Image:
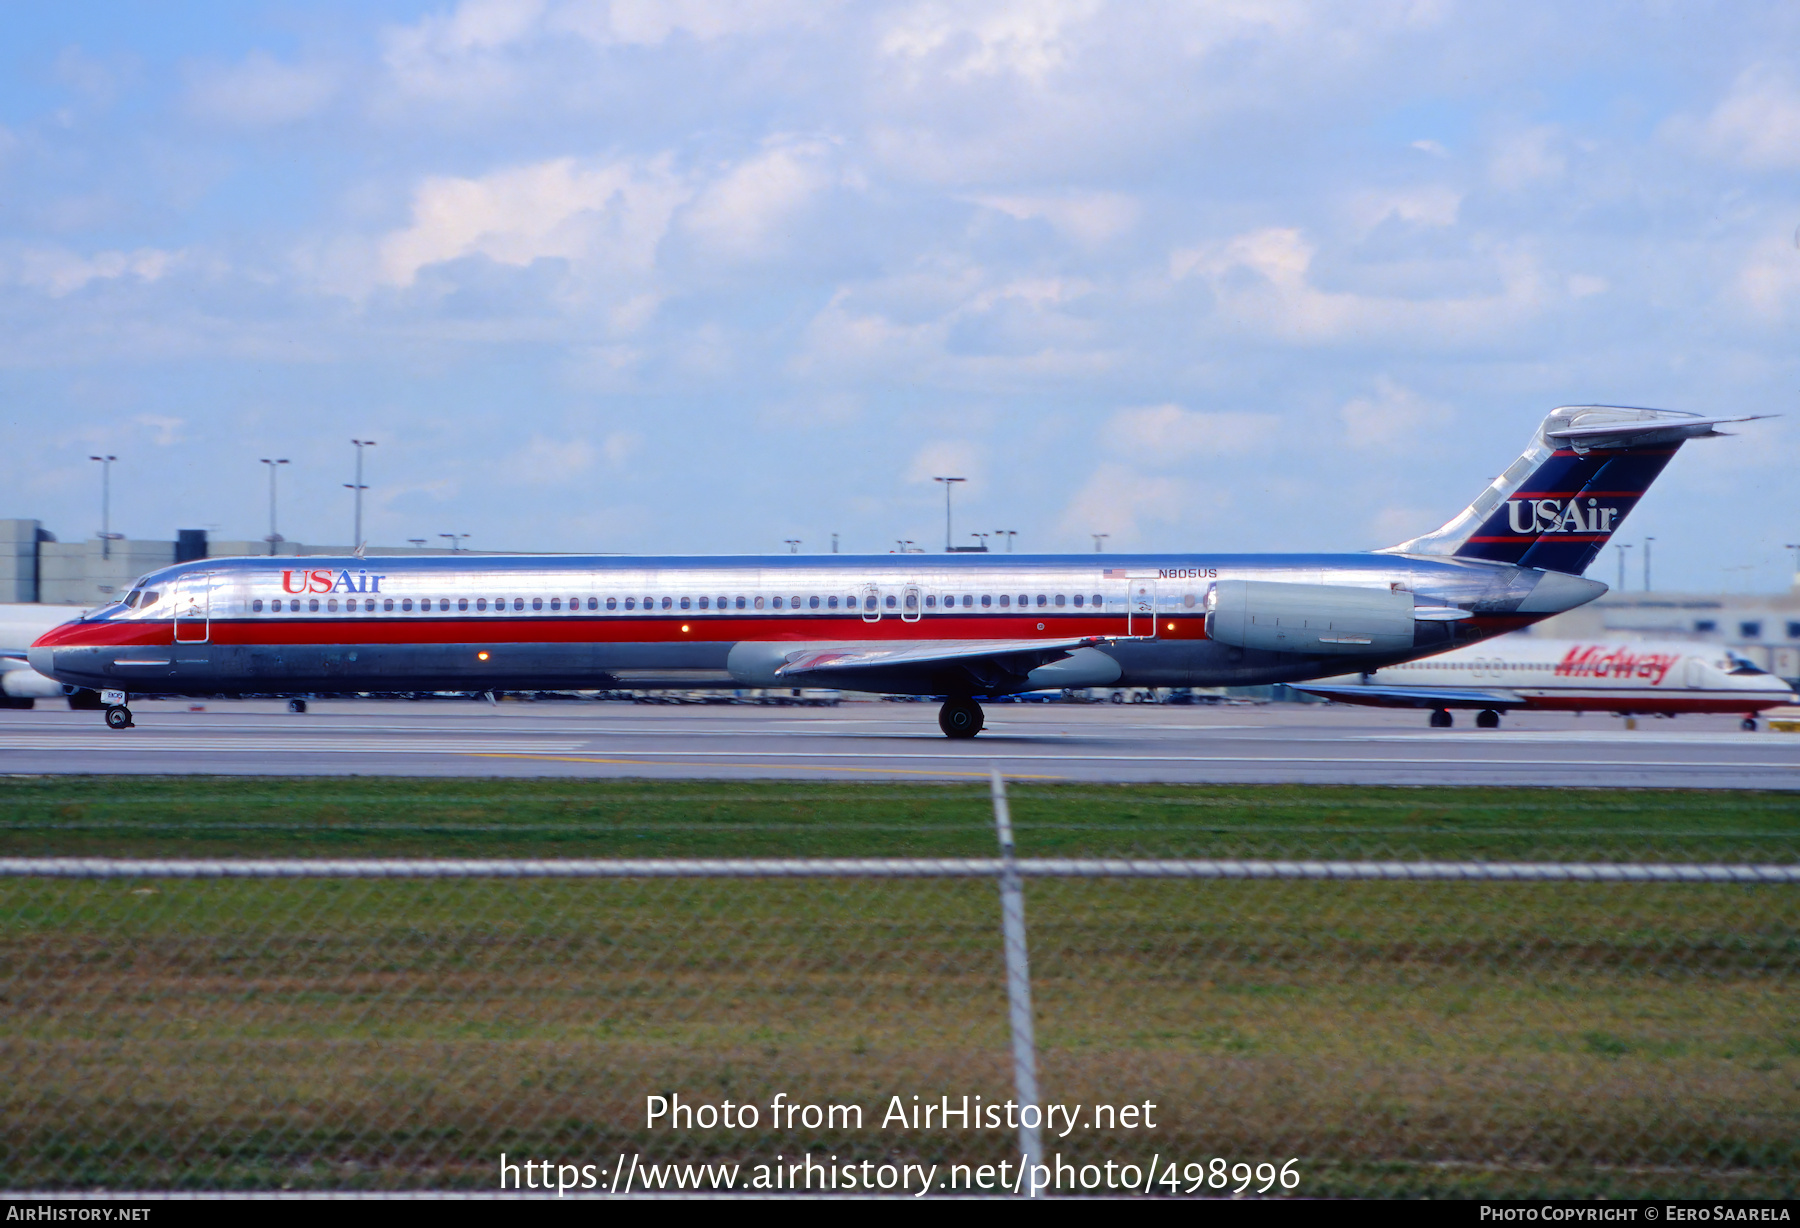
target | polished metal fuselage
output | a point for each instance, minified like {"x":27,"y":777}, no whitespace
{"x":486,"y":623}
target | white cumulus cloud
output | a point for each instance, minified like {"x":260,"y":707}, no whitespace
{"x":745,"y":212}
{"x":616,"y":213}
{"x":1756,"y":124}
{"x":57,"y":271}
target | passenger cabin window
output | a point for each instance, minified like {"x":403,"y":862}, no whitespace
{"x":812,"y":603}
{"x":931,"y":602}
{"x":986,"y":601}
{"x":1097,"y":600}
{"x":794,"y":604}
{"x":612,"y":603}
{"x":332,"y":605}
{"x":778,"y":603}
{"x":831,"y":603}
{"x":405,"y":605}
{"x":667,"y":603}
{"x":1005,"y":600}
{"x":740,"y":603}
{"x":892,"y":603}
{"x":724,"y":603}
{"x":759,"y":603}
{"x":254,"y":605}
{"x":869,"y":602}
{"x":462,"y":603}
{"x":705,"y":603}
{"x":1042,"y":601}
{"x":387,"y":605}
{"x":1059,"y":601}
{"x":684,"y":603}
{"x":481,"y":603}
{"x":1078,"y":600}
{"x":631,"y":603}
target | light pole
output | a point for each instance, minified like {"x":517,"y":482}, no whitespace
{"x":1647,"y":542}
{"x":274,"y":468}
{"x":1008,"y":534}
{"x":983,"y":537}
{"x":418,"y":543}
{"x":1795,"y":547}
{"x":1098,"y":538}
{"x":358,"y":487}
{"x":948,"y":484}
{"x":793,"y":544}
{"x":456,"y":540}
{"x":106,"y":536}
{"x":834,"y":543}
{"x":1621,"y":549}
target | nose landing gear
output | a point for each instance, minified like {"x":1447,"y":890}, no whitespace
{"x":960,"y":717}
{"x":118,"y":716}
{"x":1748,"y":724}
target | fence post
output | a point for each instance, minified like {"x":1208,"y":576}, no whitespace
{"x":1018,"y":986}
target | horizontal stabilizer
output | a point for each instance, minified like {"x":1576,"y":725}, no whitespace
{"x":1413,"y":697}
{"x":1643,"y":434}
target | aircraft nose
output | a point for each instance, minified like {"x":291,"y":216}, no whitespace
{"x":40,"y":659}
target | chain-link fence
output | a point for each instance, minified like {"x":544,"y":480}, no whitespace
{"x":1401,"y":1027}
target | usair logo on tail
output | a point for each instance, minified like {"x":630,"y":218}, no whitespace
{"x":1555,"y":516}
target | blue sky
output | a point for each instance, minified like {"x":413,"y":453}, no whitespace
{"x":697,"y":276}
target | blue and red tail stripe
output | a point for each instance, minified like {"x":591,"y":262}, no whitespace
{"x":1566,"y":511}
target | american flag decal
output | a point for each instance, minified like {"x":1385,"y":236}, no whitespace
{"x":1117,"y":573}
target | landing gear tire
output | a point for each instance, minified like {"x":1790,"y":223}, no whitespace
{"x":960,"y":718}
{"x":1441,"y":719}
{"x":1748,"y":724}
{"x":118,"y":717}
{"x":1487,"y":719}
{"x":297,"y":707}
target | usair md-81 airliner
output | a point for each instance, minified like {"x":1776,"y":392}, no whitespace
{"x":962,"y":626}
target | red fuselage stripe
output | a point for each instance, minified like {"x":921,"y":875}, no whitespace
{"x":589,"y":629}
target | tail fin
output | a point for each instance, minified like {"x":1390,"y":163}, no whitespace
{"x":1557,"y":505}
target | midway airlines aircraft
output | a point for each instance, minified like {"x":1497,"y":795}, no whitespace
{"x":1524,"y":673}
{"x":961,"y":626}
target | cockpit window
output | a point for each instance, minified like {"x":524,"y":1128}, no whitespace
{"x":131,"y":598}
{"x":1743,"y":665}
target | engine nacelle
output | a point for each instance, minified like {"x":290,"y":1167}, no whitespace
{"x":1316,"y":619}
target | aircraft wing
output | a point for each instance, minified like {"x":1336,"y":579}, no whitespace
{"x":985,"y":661}
{"x":1415,"y":697}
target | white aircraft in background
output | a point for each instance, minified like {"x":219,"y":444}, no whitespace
{"x":1526,"y":673}
{"x":20,"y":685}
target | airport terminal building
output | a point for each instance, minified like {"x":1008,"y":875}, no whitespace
{"x":37,"y":568}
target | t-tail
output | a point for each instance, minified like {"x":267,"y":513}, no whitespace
{"x":1556,"y":507}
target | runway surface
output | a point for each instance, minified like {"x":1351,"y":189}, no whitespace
{"x":1270,"y":743}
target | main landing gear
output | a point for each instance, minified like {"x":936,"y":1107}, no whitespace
{"x":118,"y":716}
{"x":1441,"y":718}
{"x":1487,"y":719}
{"x":960,"y":717}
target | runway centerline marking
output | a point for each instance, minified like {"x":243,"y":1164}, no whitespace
{"x":813,"y":767}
